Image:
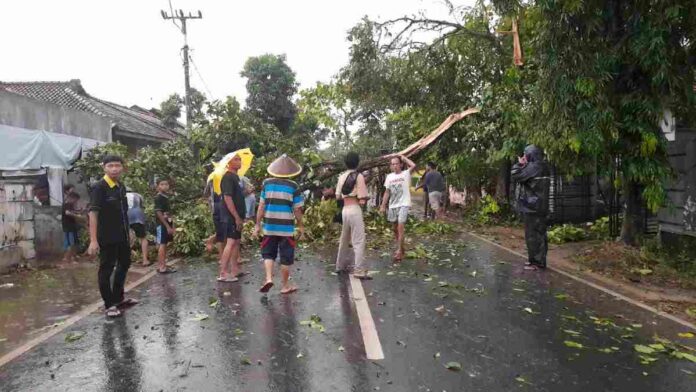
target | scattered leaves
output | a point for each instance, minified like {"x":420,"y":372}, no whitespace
{"x":245,"y":361}
{"x":643,"y":349}
{"x":686,"y":335}
{"x":572,"y":344}
{"x":561,"y":297}
{"x":74,"y":336}
{"x":455,"y":366}
{"x":200,"y":317}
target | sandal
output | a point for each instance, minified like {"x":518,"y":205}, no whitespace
{"x":288,"y":291}
{"x":113,"y":312}
{"x":362,"y":276}
{"x":128,"y":302}
{"x":266,"y":287}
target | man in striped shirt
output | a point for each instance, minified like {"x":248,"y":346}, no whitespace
{"x":280,"y":206}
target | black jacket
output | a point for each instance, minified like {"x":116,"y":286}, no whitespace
{"x":534,"y":180}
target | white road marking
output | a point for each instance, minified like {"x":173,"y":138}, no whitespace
{"x":373,"y":348}
{"x":86,"y":311}
{"x":596,"y":286}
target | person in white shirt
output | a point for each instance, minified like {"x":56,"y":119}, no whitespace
{"x":397,"y":196}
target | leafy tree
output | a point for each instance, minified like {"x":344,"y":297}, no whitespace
{"x":271,"y":86}
{"x":171,"y":109}
{"x":607,"y":71}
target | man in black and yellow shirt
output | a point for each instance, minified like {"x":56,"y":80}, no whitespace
{"x":108,"y":233}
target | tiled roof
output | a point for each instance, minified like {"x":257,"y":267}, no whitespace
{"x":72,"y":95}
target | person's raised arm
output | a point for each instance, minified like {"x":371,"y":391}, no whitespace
{"x":411,"y":165}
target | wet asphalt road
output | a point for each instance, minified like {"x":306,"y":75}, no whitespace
{"x":471,"y":304}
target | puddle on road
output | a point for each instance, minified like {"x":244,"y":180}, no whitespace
{"x":33,"y":301}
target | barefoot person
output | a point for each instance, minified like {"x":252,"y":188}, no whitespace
{"x":69,"y":218}
{"x":531,"y":172}
{"x":232,"y":212}
{"x":280,"y":207}
{"x":397,"y":196}
{"x":136,"y":219}
{"x":108,"y":234}
{"x":165,"y":225}
{"x":351,"y":188}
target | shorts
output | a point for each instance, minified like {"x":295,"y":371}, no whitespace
{"x":69,"y":239}
{"x":139,"y":230}
{"x":273,"y":245}
{"x":229,"y":231}
{"x":162,"y":237}
{"x":398,"y":214}
{"x":435,"y":199}
{"x":219,"y":229}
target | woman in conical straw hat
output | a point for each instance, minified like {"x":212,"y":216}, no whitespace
{"x":280,"y":208}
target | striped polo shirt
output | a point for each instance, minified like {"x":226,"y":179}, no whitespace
{"x":280,"y":198}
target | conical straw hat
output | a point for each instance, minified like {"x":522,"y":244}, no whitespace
{"x":284,"y":167}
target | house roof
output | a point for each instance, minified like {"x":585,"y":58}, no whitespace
{"x":134,"y":121}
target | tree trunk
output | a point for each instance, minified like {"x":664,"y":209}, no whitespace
{"x":632,"y":226}
{"x":502,"y":186}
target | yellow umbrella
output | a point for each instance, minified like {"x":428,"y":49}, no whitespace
{"x":221,"y":167}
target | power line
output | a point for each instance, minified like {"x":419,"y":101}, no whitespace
{"x":205,"y":85}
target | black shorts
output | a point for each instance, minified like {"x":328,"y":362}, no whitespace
{"x":139,"y":230}
{"x":219,"y":229}
{"x":162,"y":237}
{"x":229,"y":230}
{"x":272,"y":245}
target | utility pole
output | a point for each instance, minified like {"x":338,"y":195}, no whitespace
{"x":182,"y":19}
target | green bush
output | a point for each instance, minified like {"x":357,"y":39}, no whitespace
{"x":566,"y":233}
{"x":194,"y":223}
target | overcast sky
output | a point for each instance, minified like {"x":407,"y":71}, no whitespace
{"x":123,"y":51}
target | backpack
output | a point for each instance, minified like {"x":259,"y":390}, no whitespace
{"x":349,"y":183}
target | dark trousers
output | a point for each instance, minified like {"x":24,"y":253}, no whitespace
{"x":110,"y":256}
{"x":536,"y":238}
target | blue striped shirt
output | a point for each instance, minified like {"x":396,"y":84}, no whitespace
{"x":280,"y":198}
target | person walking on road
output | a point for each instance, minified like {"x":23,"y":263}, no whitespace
{"x":531,"y":172}
{"x":165,"y":225}
{"x":351,"y":188}
{"x":434,"y":186}
{"x":108,"y":234}
{"x":232,"y":213}
{"x":280,"y":208}
{"x":397,"y":196}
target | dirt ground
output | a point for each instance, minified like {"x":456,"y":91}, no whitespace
{"x":612,"y":265}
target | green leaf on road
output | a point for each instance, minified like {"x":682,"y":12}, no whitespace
{"x":683,"y":355}
{"x":245,"y":361}
{"x":691,"y":312}
{"x":561,"y":297}
{"x":213,"y":302}
{"x":200,"y":317}
{"x":657,"y":347}
{"x":473,"y":273}
{"x":74,"y":336}
{"x":572,"y":344}
{"x":571,"y":332}
{"x":643,"y":349}
{"x":238,"y":331}
{"x":528,"y":310}
{"x":686,"y":335}
{"x":341,"y":349}
{"x":456,"y":366}
{"x":646,"y":360}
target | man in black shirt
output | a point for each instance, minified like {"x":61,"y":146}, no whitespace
{"x":108,"y":234}
{"x":232,"y":213}
{"x":165,"y":225}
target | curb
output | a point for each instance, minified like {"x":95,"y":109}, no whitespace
{"x":594,"y":285}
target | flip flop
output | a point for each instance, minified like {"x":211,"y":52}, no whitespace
{"x":113,"y":312}
{"x":292,"y":290}
{"x":128,"y":302}
{"x":266,"y":287}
